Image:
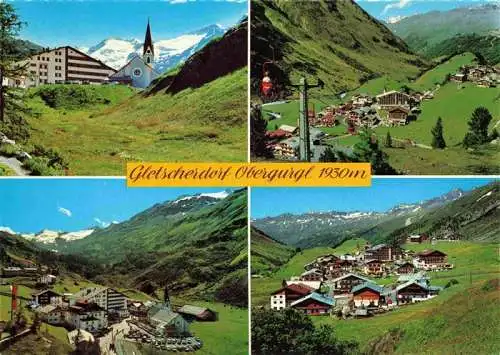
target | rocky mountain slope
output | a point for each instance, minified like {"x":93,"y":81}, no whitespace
{"x":219,"y":58}
{"x":169,"y":53}
{"x":336,"y":41}
{"x":330,"y":228}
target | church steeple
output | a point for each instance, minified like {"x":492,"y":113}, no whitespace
{"x":149,"y":52}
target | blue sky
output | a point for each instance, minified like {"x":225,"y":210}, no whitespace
{"x":30,"y":205}
{"x":54,"y":23}
{"x":381,"y":196}
{"x":385,"y":9}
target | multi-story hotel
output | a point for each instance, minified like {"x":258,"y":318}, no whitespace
{"x":65,"y":64}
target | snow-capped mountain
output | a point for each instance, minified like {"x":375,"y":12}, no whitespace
{"x":169,"y":53}
{"x":50,"y":237}
{"x":318,"y":228}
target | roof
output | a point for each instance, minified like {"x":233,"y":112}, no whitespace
{"x":297,"y":288}
{"x":392,"y":92}
{"x":287,"y":128}
{"x":351,"y":274}
{"x":292,"y":141}
{"x":415,"y":277}
{"x":83,"y":307}
{"x":313,"y":285}
{"x":377,"y":247}
{"x":411,"y":282}
{"x":371,"y":260}
{"x":317,"y":297}
{"x":430,"y":252}
{"x":193,"y":310}
{"x":84,"y":336}
{"x":370,"y":285}
{"x":164,"y":315}
{"x":45,"y":291}
{"x":148,"y":41}
{"x":89,"y":292}
{"x":135,"y":56}
{"x":312,"y":271}
{"x":47,"y":309}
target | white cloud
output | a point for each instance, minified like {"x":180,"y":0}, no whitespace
{"x":65,"y":211}
{"x":396,"y":5}
{"x":101,"y":223}
{"x":395,"y":19}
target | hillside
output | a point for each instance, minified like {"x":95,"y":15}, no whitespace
{"x":195,"y":244}
{"x":268,"y":254}
{"x":425,"y":32}
{"x":218,"y":58}
{"x":336,"y":41}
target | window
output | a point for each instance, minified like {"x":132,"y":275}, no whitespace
{"x":137,"y":72}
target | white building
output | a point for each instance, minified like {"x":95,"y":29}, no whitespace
{"x":87,"y":316}
{"x":105,"y":297}
{"x":139,"y":71}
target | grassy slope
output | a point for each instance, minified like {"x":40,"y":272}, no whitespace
{"x":207,"y":124}
{"x":267,"y":253}
{"x":339,"y":57}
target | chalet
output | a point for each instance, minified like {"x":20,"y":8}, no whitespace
{"x":107,"y":298}
{"x":167,"y":322}
{"x":459,"y":77}
{"x":87,"y":316}
{"x":278,"y":134}
{"x":405,"y":268}
{"x":288,"y":148}
{"x":398,"y":116}
{"x":383,"y":252}
{"x":290,"y":129}
{"x":412,"y":291}
{"x":45,"y":297}
{"x":313,"y":285}
{"x":366,"y":294}
{"x":393,"y":98}
{"x":283,"y":297}
{"x":431,"y":259}
{"x":416,"y":239}
{"x":52,"y":314}
{"x":344,"y":284}
{"x":312,"y":275}
{"x":361,"y":100}
{"x":202,"y":314}
{"x":137,"y":310}
{"x":373,"y":266}
{"x":314,"y":304}
{"x":47,"y":279}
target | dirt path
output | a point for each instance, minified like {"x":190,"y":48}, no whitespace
{"x":15,"y":165}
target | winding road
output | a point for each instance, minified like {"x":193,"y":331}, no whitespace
{"x":15,"y":165}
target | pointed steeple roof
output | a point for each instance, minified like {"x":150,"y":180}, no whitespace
{"x":148,"y":41}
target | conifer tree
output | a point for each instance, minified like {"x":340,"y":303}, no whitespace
{"x":388,"y":140}
{"x":438,"y":141}
{"x":478,"y":127}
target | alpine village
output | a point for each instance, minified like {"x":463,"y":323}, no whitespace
{"x":393,"y":282}
{"x":61,"y":293}
{"x":374,"y":85}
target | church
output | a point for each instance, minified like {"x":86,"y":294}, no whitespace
{"x":139,"y":71}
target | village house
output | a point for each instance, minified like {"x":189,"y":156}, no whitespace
{"x":367,"y":294}
{"x":47,"y":279}
{"x":202,"y":314}
{"x":87,"y":316}
{"x":344,"y":284}
{"x":397,"y":116}
{"x":292,"y":130}
{"x":393,"y":98}
{"x":114,"y":302}
{"x":52,"y":314}
{"x":416,"y":239}
{"x":373,"y":267}
{"x":314,"y":304}
{"x":419,"y":277}
{"x":458,"y":77}
{"x":288,"y":148}
{"x":45,"y":297}
{"x":414,"y":291}
{"x":282,"y":298}
{"x":361,"y":100}
{"x":137,"y":310}
{"x":405,"y":268}
{"x":278,"y":135}
{"x":383,"y":252}
{"x":431,"y":259}
{"x":312,"y":275}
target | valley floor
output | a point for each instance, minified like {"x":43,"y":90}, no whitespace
{"x":461,"y":319}
{"x":205,"y":124}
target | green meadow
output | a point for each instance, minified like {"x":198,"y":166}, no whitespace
{"x":205,"y":124}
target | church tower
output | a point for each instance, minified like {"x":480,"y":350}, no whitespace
{"x":149,"y":52}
